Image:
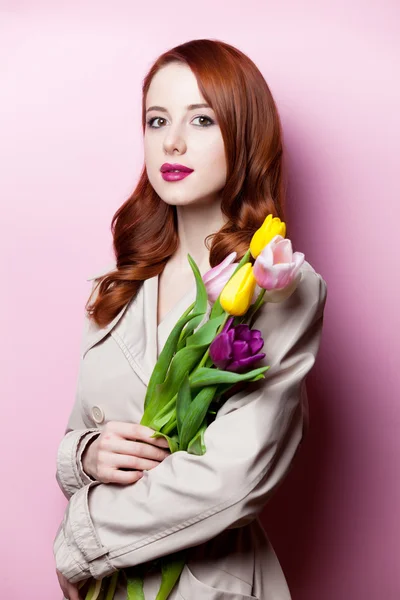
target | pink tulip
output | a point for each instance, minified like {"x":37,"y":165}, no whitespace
{"x":216,"y":278}
{"x":277,"y":269}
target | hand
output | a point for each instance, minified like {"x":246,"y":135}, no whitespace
{"x":70,"y":590}
{"x":122,"y":452}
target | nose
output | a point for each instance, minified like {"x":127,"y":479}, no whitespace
{"x":174,"y":140}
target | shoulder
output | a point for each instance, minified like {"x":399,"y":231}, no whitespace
{"x":314,"y":282}
{"x":302,"y":308}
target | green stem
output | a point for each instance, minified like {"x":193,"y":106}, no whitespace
{"x":251,"y":312}
{"x":94,"y":589}
{"x":112,"y":586}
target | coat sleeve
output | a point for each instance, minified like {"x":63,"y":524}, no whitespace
{"x":70,"y":474}
{"x":189,"y":499}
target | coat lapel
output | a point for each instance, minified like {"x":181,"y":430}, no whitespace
{"x":135,"y":328}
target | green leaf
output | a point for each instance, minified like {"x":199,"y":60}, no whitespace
{"x":209,"y":362}
{"x":200,"y":305}
{"x":159,"y":411}
{"x":169,"y":426}
{"x":206,"y":333}
{"x":197,"y":444}
{"x":183,"y":402}
{"x":172,"y":440}
{"x":183,"y":361}
{"x":171,"y":568}
{"x":205,"y":376}
{"x":195,"y":415}
{"x":161,"y":367}
{"x":217,"y":309}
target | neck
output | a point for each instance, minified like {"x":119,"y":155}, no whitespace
{"x":195,"y":223}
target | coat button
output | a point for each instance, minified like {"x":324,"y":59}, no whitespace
{"x":97,"y":414}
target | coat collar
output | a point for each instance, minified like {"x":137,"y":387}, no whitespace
{"x":135,"y":328}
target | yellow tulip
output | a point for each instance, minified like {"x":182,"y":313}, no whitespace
{"x":271,"y":227}
{"x":237,"y":294}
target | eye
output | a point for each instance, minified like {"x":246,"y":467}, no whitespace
{"x":151,"y":121}
{"x":210,"y":121}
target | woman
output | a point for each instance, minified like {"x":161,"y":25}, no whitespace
{"x":207,"y":113}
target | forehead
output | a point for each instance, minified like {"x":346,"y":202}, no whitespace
{"x":175,"y":85}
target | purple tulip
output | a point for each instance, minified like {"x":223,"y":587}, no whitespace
{"x":236,"y":348}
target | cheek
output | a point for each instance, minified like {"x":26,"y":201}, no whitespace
{"x":212,"y":155}
{"x":217,"y":162}
{"x":146,"y":150}
{"x":149,"y":151}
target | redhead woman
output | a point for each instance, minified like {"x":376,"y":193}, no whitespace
{"x":213,"y":172}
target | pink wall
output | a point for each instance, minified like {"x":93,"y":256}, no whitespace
{"x":70,"y":153}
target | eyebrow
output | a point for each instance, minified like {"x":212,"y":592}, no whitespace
{"x":190,"y":107}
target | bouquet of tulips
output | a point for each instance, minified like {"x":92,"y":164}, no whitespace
{"x":196,"y":368}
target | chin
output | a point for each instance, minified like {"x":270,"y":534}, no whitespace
{"x":180,"y":201}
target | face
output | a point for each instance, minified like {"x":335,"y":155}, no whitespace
{"x":179,"y":134}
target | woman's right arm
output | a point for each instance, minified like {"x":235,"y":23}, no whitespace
{"x":119,"y":453}
{"x":70,"y":474}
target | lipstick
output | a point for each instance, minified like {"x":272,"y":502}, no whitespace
{"x":174,"y":172}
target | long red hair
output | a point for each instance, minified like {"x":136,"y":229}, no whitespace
{"x":144,"y":228}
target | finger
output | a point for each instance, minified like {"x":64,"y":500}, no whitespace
{"x":121,"y":446}
{"x":160,"y":441}
{"x":124,"y":461}
{"x":124,"y":477}
{"x":135,"y":431}
{"x":73,"y":593}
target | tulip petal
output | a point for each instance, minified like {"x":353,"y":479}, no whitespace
{"x":231,"y":336}
{"x":243,"y":332}
{"x":255,"y":345}
{"x":255,"y":333}
{"x":279,"y":295}
{"x":228,"y":324}
{"x":283,"y":251}
{"x":215,"y":286}
{"x":240,"y":349}
{"x":238,"y":366}
{"x":266,"y":257}
{"x":298,"y":258}
{"x":236,"y":296}
{"x":265,"y":275}
{"x":221,"y":350}
{"x":215,"y":279}
{"x":215,"y":271}
{"x":283,"y":274}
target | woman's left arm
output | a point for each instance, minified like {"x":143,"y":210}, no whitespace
{"x":189,"y":499}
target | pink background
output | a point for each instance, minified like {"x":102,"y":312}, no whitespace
{"x":71,"y":152}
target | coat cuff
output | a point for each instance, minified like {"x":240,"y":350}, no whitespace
{"x":83,"y":555}
{"x":70,"y":474}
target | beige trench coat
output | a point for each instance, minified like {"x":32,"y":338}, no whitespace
{"x":211,"y":503}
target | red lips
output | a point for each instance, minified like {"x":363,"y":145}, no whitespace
{"x":174,"y":166}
